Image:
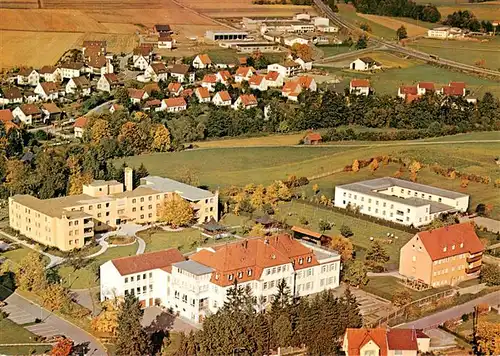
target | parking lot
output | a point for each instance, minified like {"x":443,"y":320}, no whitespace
{"x":21,"y":317}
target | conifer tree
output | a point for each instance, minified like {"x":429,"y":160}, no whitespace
{"x":131,"y":340}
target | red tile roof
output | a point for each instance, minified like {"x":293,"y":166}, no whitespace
{"x":357,"y":338}
{"x":411,"y":97}
{"x":149,"y":88}
{"x":426,"y":85}
{"x":187,"y":92}
{"x":272,"y":76}
{"x":237,"y":259}
{"x":175,"y":102}
{"x":51,"y":108}
{"x":205,"y":59}
{"x":360,"y":83}
{"x":202,"y":92}
{"x":136,"y":93}
{"x":180,"y":69}
{"x":301,"y":230}
{"x":305,"y":81}
{"x":47,"y":69}
{"x":6,"y":116}
{"x":290,"y":87}
{"x":460,"y":85}
{"x":112,"y":78}
{"x":242,"y":60}
{"x":313,"y":136}
{"x":453,"y":91}
{"x":210,"y":78}
{"x":164,"y":38}
{"x":81,"y":122}
{"x":244,"y":71}
{"x":174,"y":87}
{"x":12,"y":93}
{"x":225,"y":75}
{"x":402,"y":339}
{"x":408,"y":90}
{"x":143,"y":50}
{"x":25,"y":71}
{"x":159,"y":68}
{"x":224,"y":95}
{"x":256,"y":79}
{"x":49,"y":87}
{"x":248,"y":99}
{"x":151,"y":103}
{"x":147,"y":261}
{"x":439,"y":242}
{"x":30,"y":109}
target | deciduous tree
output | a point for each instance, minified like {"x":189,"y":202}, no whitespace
{"x":343,"y":246}
{"x":374,"y":165}
{"x":258,"y":197}
{"x":30,"y":273}
{"x":56,"y":297}
{"x":355,"y":166}
{"x":488,"y":338}
{"x":63,"y":347}
{"x":401,"y":33}
{"x":161,"y":138}
{"x":356,"y":273}
{"x":401,"y":297}
{"x":176,"y":211}
{"x":490,"y":274}
{"x":377,"y":255}
{"x":258,"y":230}
{"x":99,"y":131}
{"x":107,"y":321}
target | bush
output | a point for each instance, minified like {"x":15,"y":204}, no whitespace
{"x":346,"y":231}
{"x":465,"y":317}
{"x":303,"y":220}
{"x":324,"y":225}
{"x":268,"y":209}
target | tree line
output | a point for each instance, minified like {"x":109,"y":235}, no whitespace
{"x":467,"y":20}
{"x":398,"y":8}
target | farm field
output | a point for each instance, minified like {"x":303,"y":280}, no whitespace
{"x":333,"y":50}
{"x":395,"y":23}
{"x":388,"y":60}
{"x":483,"y":11}
{"x":348,"y":12}
{"x":468,"y":52}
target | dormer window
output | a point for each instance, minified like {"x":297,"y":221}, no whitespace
{"x":309,"y":259}
{"x":453,"y":247}
{"x":301,"y":261}
{"x":249,"y":272}
{"x":216,"y":276}
{"x":230,"y":277}
{"x":461,"y":245}
{"x":444,"y":249}
{"x":240,"y":275}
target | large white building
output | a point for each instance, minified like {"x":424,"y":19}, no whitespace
{"x":400,"y":201}
{"x":197,"y":287}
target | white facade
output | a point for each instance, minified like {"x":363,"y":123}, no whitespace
{"x":33,"y":78}
{"x":359,"y":90}
{"x":445,"y":32}
{"x":284,"y":70}
{"x":43,"y":95}
{"x":400,"y":201}
{"x":103,"y":84}
{"x":71,"y":71}
{"x":72,"y":88}
{"x":362,"y":66}
{"x":55,"y":76}
{"x":141,"y":62}
{"x":218,"y":101}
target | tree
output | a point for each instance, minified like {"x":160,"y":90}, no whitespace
{"x":374,"y":165}
{"x":356,"y":273}
{"x":401,"y":297}
{"x":176,"y":211}
{"x":99,"y":131}
{"x":324,"y":225}
{"x":361,"y":43}
{"x":258,"y":230}
{"x":414,"y":169}
{"x":107,"y":320}
{"x":376,"y":255}
{"x":303,"y":51}
{"x":131,"y":338}
{"x":355,"y":166}
{"x":76,"y":178}
{"x":258,"y":197}
{"x":343,"y":246}
{"x":401,"y":33}
{"x":56,"y":297}
{"x":488,"y":338}
{"x":315,"y":188}
{"x":284,"y":193}
{"x":282,"y":298}
{"x":122,"y":96}
{"x":30,"y":273}
{"x":346,"y":231}
{"x":490,"y":274}
{"x":63,"y":347}
{"x":161,"y":138}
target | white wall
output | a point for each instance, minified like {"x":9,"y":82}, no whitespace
{"x":111,"y":281}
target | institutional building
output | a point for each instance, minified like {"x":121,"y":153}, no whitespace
{"x":69,"y":222}
{"x":197,"y":287}
{"x":399,"y":201}
{"x":444,"y":256}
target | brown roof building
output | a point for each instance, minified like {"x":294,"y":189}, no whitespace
{"x":147,"y":261}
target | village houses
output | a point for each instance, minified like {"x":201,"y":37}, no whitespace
{"x":27,"y":113}
{"x":108,"y":82}
{"x":222,"y":98}
{"x":224,"y":77}
{"x":166,"y":42}
{"x":274,"y":79}
{"x":51,"y":74}
{"x":156,"y":72}
{"x":79,"y":126}
{"x":209,"y":81}
{"x":202,"y":94}
{"x":245,"y":101}
{"x":243,"y":74}
{"x":28,"y":76}
{"x":173,"y":105}
{"x":11,"y":96}
{"x":48,"y":90}
{"x":51,"y":112}
{"x":141,"y":56}
{"x":359,"y":87}
{"x":7,"y":119}
{"x":137,"y":95}
{"x":202,"y":61}
{"x":258,"y":82}
{"x":71,"y":70}
{"x":182,"y":73}
{"x":287,"y":69}
{"x":78,"y":85}
{"x":364,"y":64}
{"x":175,"y":88}
{"x":154,"y":104}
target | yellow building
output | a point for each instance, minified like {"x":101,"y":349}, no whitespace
{"x":444,"y":256}
{"x":69,"y":222}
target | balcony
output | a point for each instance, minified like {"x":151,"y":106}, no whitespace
{"x":474,"y":258}
{"x":88,"y":223}
{"x":471,"y":270}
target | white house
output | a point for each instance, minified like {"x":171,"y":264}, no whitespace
{"x":245,"y":101}
{"x":27,"y":113}
{"x":291,"y":40}
{"x":107,"y":82}
{"x":182,"y":73}
{"x":78,"y":85}
{"x":47,"y":91}
{"x":11,"y":96}
{"x":202,"y":94}
{"x":274,"y":79}
{"x":100,"y":65}
{"x":291,"y":90}
{"x":137,"y":95}
{"x":202,"y":61}
{"x":224,"y":77}
{"x":365,"y":64}
{"x":399,"y":200}
{"x":79,"y":126}
{"x":31,"y":97}
{"x":173,"y":104}
{"x":71,"y":70}
{"x":222,"y":98}
{"x":445,"y":32}
{"x":28,"y":76}
{"x":175,"y":88}
{"x":359,"y":87}
{"x":304,"y":65}
{"x":307,"y":83}
{"x":288,"y":69}
{"x":244,"y":74}
{"x":258,"y":82}
{"x":50,"y":112}
{"x":156,"y":72}
{"x":142,"y":56}
{"x":165,"y":41}
{"x":209,"y":81}
{"x":51,"y":74}
{"x":141,"y":62}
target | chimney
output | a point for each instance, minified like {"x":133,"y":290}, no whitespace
{"x":129,"y":179}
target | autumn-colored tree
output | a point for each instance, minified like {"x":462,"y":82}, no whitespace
{"x":374,"y":165}
{"x":452,"y":174}
{"x":398,"y":173}
{"x":100,"y":130}
{"x":343,"y":246}
{"x":284,"y":193}
{"x":272,"y":195}
{"x":355,"y":166}
{"x":315,"y":188}
{"x":16,"y":178}
{"x":63,"y":347}
{"x":497,"y":183}
{"x":414,"y":168}
{"x":176,"y":211}
{"x":161,"y":138}
{"x":464,"y":183}
{"x":356,"y":273}
{"x":258,"y":231}
{"x":76,"y":178}
{"x":30,"y":273}
{"x":249,"y":188}
{"x":258,"y":197}
{"x":303,"y":51}
{"x":56,"y":297}
{"x":324,"y":200}
{"x":140,"y":116}
{"x":385,"y":160}
{"x":401,"y":297}
{"x":107,"y":321}
{"x":488,"y":338}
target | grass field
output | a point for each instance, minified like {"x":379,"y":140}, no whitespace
{"x":387,"y":59}
{"x":395,"y":23}
{"x":232,"y":56}
{"x":348,"y":12}
{"x":468,"y":52}
{"x":11,"y":333}
{"x":483,"y":11}
{"x":17,"y":255}
{"x":385,"y":286}
{"x":334,"y":50}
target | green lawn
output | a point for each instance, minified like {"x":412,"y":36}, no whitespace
{"x":333,"y":50}
{"x":85,"y":277}
{"x":292,"y":212}
{"x":185,"y":240}
{"x":385,"y":287}
{"x":18,"y":254}
{"x":11,"y":333}
{"x":348,"y":13}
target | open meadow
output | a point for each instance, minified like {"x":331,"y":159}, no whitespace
{"x":394,"y":23}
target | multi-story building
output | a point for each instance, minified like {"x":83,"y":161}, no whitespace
{"x":444,"y":256}
{"x":197,"y":287}
{"x":400,"y":201}
{"x":69,"y":222}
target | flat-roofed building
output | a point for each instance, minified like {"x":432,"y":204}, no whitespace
{"x":399,"y":201}
{"x":226,"y":35}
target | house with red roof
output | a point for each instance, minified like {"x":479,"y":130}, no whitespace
{"x":245,"y":101}
{"x":454,"y":89}
{"x":258,"y":82}
{"x":222,"y":98}
{"x":307,"y":82}
{"x":156,"y":72}
{"x":243,"y":74}
{"x":444,"y":256}
{"x":11,"y":96}
{"x":425,"y":87}
{"x":173,"y":104}
{"x":224,"y":77}
{"x":202,"y":94}
{"x":274,"y":79}
{"x":79,"y":126}
{"x":291,"y":90}
{"x":404,"y":90}
{"x":108,"y":82}
{"x":202,"y":61}
{"x":27,"y":113}
{"x":209,"y":81}
{"x":154,"y":104}
{"x":384,"y":342}
{"x":175,"y":88}
{"x":137,"y":95}
{"x":166,"y":41}
{"x":7,"y":118}
{"x":359,"y":87}
{"x":312,"y":138}
{"x":50,"y":74}
{"x":28,"y":76}
{"x":141,"y":56}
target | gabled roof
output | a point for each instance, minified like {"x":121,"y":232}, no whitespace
{"x":357,"y":338}
{"x":272,"y":76}
{"x":159,"y":68}
{"x":307,"y":232}
{"x":290,"y":64}
{"x":202,"y":92}
{"x":314,"y":136}
{"x":242,"y":61}
{"x":164,"y":38}
{"x":408,"y":90}
{"x":12,"y":93}
{"x":402,"y":339}
{"x":136,"y":93}
{"x":290,"y":87}
{"x":459,"y":85}
{"x":426,"y":85}
{"x":244,"y":71}
{"x":25,"y":71}
{"x":116,"y":106}
{"x":72,"y":65}
{"x":360,"y":83}
{"x":30,"y":109}
{"x":451,"y":241}
{"x":152,"y":103}
{"x":369,"y":60}
{"x":224,"y":95}
{"x":204,"y":58}
{"x":174,"y":87}
{"x":305,"y":81}
{"x":49,"y":88}
{"x":411,"y":97}
{"x":147,"y":261}
{"x":179,"y":69}
{"x":210,"y":78}
{"x":187,"y":92}
{"x":96,"y":61}
{"x":81,"y":82}
{"x":51,"y":108}
{"x":225,"y":75}
{"x":453,"y":91}
{"x":143,"y":50}
{"x":112,"y":78}
{"x":81,"y":122}
{"x":248,"y":99}
{"x":6,"y":117}
{"x":151,"y":87}
{"x":175,"y":102}
{"x":255,"y":79}
{"x":47,"y":69}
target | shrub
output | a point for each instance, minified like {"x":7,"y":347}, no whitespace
{"x":346,"y":231}
{"x":465,"y":317}
{"x":303,"y":220}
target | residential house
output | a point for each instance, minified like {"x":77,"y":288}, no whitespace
{"x":222,"y":98}
{"x":209,"y":81}
{"x":51,"y":74}
{"x":78,"y":85}
{"x":274,"y":79}
{"x":400,"y":201}
{"x":454,"y":89}
{"x":312,"y":138}
{"x":93,"y":48}
{"x":187,"y":93}
{"x":7,"y":119}
{"x":108,"y":82}
{"x":307,"y":82}
{"x":224,"y":77}
{"x":154,"y":104}
{"x":141,"y":62}
{"x":385,"y":342}
{"x":444,"y":256}
{"x":291,"y":40}
{"x":243,"y":74}
{"x":79,"y":126}
{"x":137,"y":95}
{"x":11,"y":96}
{"x":287,"y":69}
{"x":28,"y":76}
{"x":404,"y":91}
{"x":115,"y":107}
{"x":175,"y":88}
{"x":141,"y":56}
{"x":173,"y":104}
{"x":224,"y":64}
{"x":291,"y":90}
{"x":51,"y":112}
{"x":365,"y":64}
{"x":27,"y":113}
{"x":359,"y":87}
{"x":165,"y":41}
{"x":31,"y":97}
{"x":162,"y":29}
{"x":305,"y":64}
{"x":258,"y":82}
{"x":203,"y":94}
{"x":182,"y":73}
{"x":156,"y":72}
{"x":71,"y":70}
{"x":202,"y":61}
{"x":151,"y":88}
{"x":48,"y":91}
{"x":99,"y":65}
{"x":245,"y":101}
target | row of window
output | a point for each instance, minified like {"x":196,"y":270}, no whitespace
{"x":448,"y":259}
{"x":184,"y":298}
{"x":329,"y":268}
{"x":305,"y":273}
{"x":77,"y":241}
{"x":305,"y":287}
{"x":444,"y":271}
{"x":139,"y":290}
{"x":327,"y":281}
{"x":138,"y":277}
{"x":278,"y":269}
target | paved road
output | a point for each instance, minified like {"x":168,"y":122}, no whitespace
{"x":434,"y":320}
{"x":52,"y":322}
{"x":99,"y":109}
